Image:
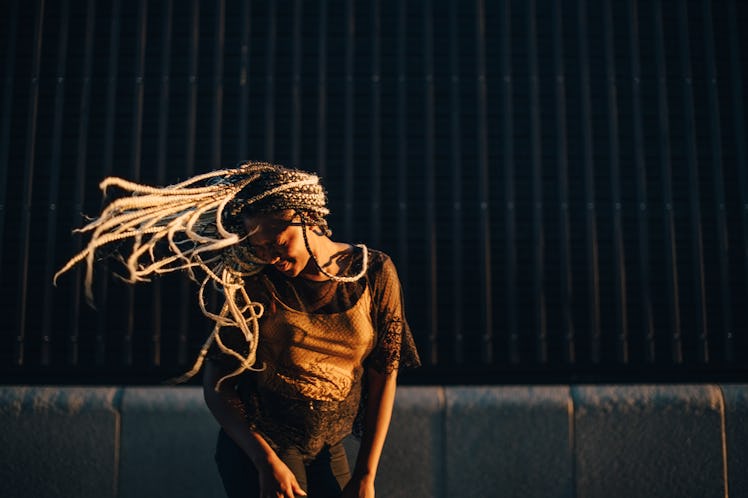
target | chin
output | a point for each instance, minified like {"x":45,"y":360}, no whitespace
{"x":291,"y":272}
{"x":289,"y":269}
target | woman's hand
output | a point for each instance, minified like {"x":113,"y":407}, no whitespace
{"x":277,"y":481}
{"x":359,"y":487}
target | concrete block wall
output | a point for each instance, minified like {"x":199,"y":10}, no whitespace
{"x":502,"y":441}
{"x":736,"y":436}
{"x":650,"y":441}
{"x":59,"y":442}
{"x":511,"y":441}
{"x":166,"y":443}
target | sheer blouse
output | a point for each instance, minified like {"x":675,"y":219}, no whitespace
{"x":316,"y":340}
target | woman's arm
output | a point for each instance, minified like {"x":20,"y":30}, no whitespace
{"x":377,"y":415}
{"x":228,"y":410}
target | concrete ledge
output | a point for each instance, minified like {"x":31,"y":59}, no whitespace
{"x":508,"y":441}
{"x":59,"y":442}
{"x":736,"y":437}
{"x":168,"y":442}
{"x":561,"y":441}
{"x":654,"y":441}
{"x":413,"y":464}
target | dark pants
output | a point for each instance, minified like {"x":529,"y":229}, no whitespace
{"x":323,"y":477}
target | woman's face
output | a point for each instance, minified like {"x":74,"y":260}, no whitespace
{"x":277,"y":239}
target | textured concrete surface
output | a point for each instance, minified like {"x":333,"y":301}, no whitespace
{"x":508,"y":442}
{"x":58,"y":442}
{"x":168,"y":441}
{"x":648,"y":441}
{"x":412,"y":463}
{"x":736,"y":432}
{"x":578,"y":441}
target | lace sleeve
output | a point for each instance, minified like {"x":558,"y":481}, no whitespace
{"x":395,"y":347}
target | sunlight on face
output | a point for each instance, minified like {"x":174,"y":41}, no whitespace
{"x":277,"y":240}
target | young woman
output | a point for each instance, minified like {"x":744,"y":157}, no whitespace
{"x":309,"y":341}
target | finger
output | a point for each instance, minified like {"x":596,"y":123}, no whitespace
{"x":297,"y":489}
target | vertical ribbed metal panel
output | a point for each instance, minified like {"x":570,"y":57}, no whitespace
{"x":79,"y":193}
{"x":192,"y":86}
{"x":697,"y":248}
{"x":720,"y":202}
{"x":562,"y":158}
{"x":741,"y":156}
{"x":136,"y":150}
{"x":510,"y":261}
{"x":135,"y":161}
{"x":244,"y":90}
{"x":620,"y":326}
{"x":54,"y":184}
{"x":484,"y":224}
{"x":296,"y":86}
{"x":112,"y":80}
{"x":430,"y":174}
{"x":642,"y":208}
{"x":348,"y":193}
{"x":218,"y":54}
{"x":27,"y":187}
{"x":455,"y":174}
{"x":376,"y":124}
{"x":402,"y":143}
{"x":161,"y":166}
{"x":7,"y":110}
{"x":322,"y":91}
{"x":102,"y":289}
{"x":671,"y":268}
{"x":591,"y":242}
{"x":216,"y":128}
{"x":536,"y":165}
{"x":190,"y":129}
{"x":270,"y":57}
{"x":557,"y":196}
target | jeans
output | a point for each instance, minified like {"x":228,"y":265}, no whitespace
{"x":323,"y":477}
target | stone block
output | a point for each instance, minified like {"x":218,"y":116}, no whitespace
{"x":168,"y":444}
{"x":508,"y":442}
{"x":656,"y":441}
{"x":58,"y":442}
{"x":736,"y":437}
{"x":412,"y":462}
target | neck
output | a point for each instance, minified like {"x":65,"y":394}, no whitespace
{"x":327,"y":253}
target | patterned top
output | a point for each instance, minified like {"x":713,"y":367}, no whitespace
{"x":316,"y":340}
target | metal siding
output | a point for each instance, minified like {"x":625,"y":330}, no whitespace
{"x":558,"y":198}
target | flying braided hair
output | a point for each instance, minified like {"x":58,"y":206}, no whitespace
{"x":200,"y":221}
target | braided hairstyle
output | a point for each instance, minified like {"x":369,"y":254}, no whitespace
{"x":275,"y":189}
{"x":200,"y":221}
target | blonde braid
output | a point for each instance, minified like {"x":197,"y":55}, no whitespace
{"x":200,"y":221}
{"x":337,"y":278}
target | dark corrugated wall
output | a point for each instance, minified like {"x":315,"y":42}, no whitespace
{"x":562,"y":184}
